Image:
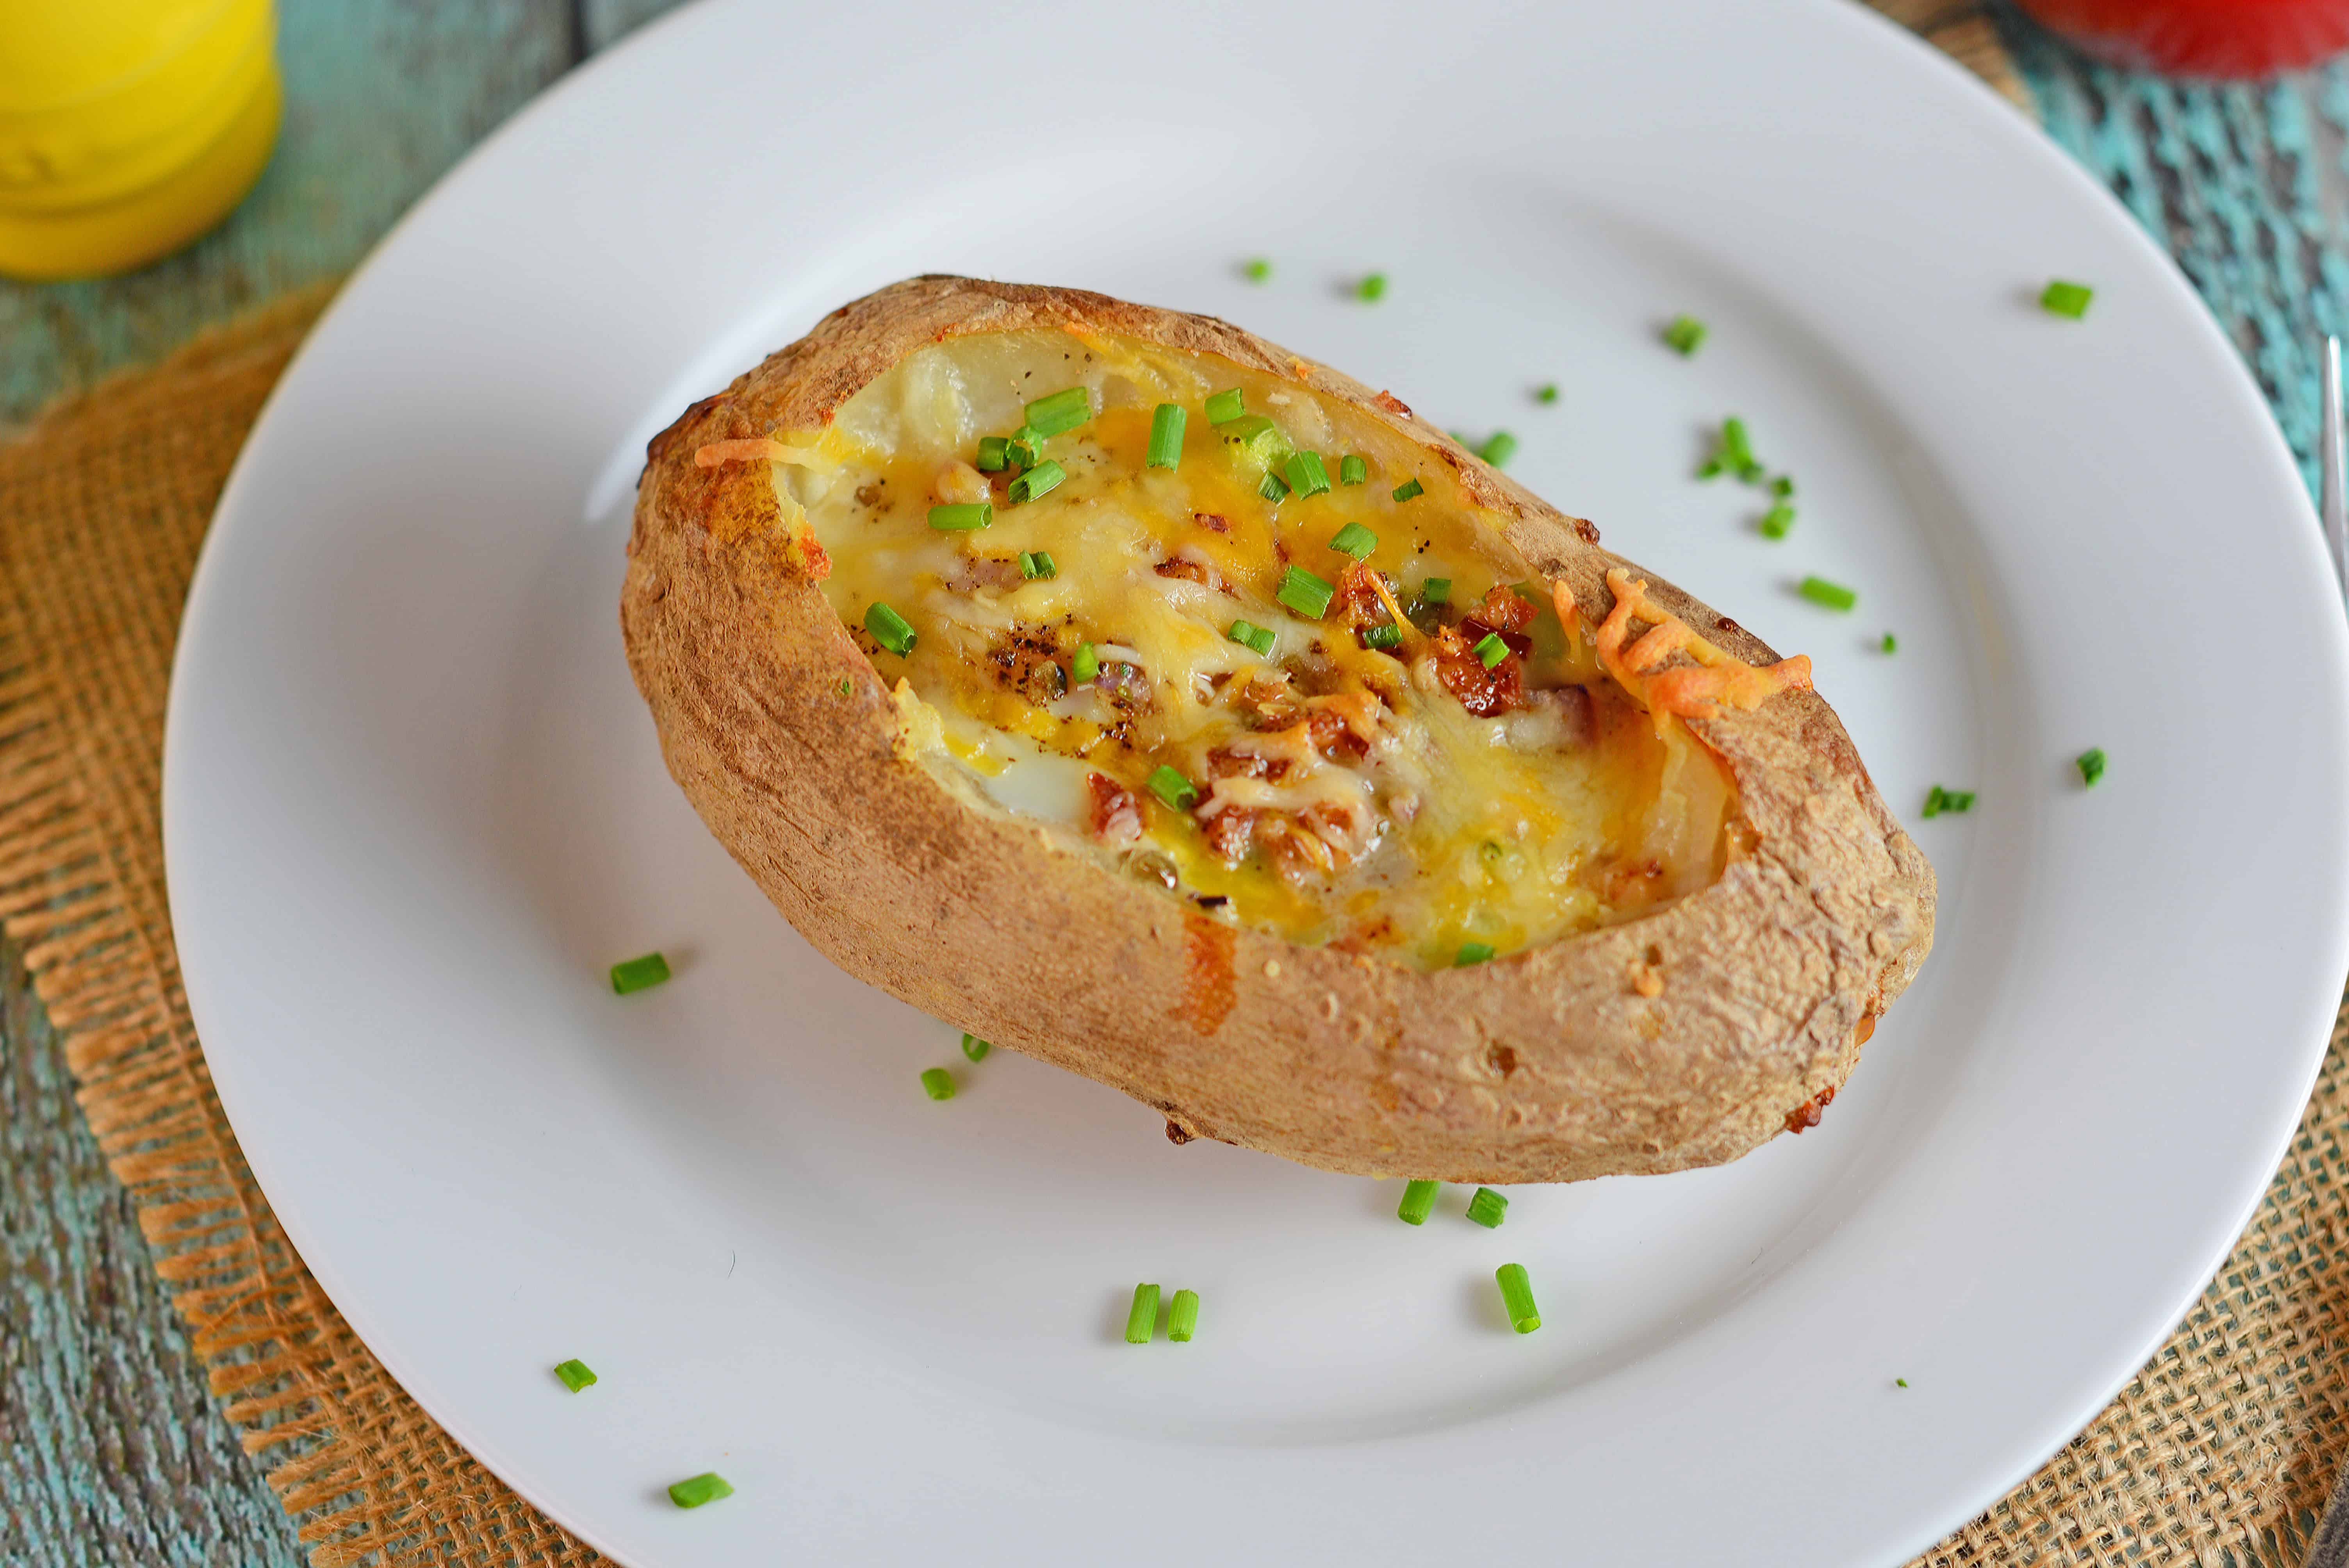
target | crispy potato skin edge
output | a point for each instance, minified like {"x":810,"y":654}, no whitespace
{"x":1548,"y":1065}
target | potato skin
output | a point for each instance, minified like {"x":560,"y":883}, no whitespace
{"x":1551,"y":1064}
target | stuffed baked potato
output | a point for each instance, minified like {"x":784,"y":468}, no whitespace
{"x":1127,"y":690}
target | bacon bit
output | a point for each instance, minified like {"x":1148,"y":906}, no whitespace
{"x":1190,"y":571}
{"x":1029,"y":662}
{"x":1212,"y":521}
{"x":1358,"y":589}
{"x":754,"y":449}
{"x":1230,"y":834}
{"x":1505,"y":609}
{"x":1225,"y":762}
{"x":1269,"y":705}
{"x":1334,"y":737}
{"x":1116,"y":814}
{"x":1485,"y":693}
{"x":1357,"y":711}
{"x":1807,"y":1115}
{"x":1296,"y":853}
{"x":971,"y":573}
{"x":1393,"y":404}
{"x":1687,"y":690}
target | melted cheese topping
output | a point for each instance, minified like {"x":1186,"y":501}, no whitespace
{"x":1410,"y":802}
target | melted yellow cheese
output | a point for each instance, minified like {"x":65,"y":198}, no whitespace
{"x":1338,"y":793}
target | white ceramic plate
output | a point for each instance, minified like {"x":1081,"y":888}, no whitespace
{"x":414,"y":808}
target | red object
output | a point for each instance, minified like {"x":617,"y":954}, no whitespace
{"x":2202,"y":38}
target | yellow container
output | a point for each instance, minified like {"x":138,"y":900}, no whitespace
{"x":128,"y":127}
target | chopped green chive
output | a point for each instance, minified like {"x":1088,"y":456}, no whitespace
{"x":1171,"y":787}
{"x":1473,"y":953}
{"x":1025,"y":449}
{"x":1257,"y":436}
{"x":1953,"y":801}
{"x":1782,"y":487}
{"x":1499,"y":448}
{"x":1518,"y":1295}
{"x":2061,"y":298}
{"x":1491,"y":650}
{"x":1354,"y":540}
{"x":1777,"y":520}
{"x":700,"y":1489}
{"x":1545,"y":393}
{"x":937,"y":1083}
{"x":1436,"y":590}
{"x":1061,"y":412}
{"x":962,"y":517}
{"x":575,"y":1374}
{"x":639,"y":974}
{"x":1037,"y":480}
{"x":1085,"y":666}
{"x":1273,"y":488}
{"x":1225,"y":405}
{"x":1141,"y":1318}
{"x":1737,"y":448}
{"x":1418,"y":1202}
{"x":994,"y":454}
{"x":1387,"y":637}
{"x":1167,"y":437}
{"x":1891,"y":645}
{"x":1248,"y":635}
{"x":1183,"y":1316}
{"x":974,"y":1048}
{"x":1684,"y":334}
{"x":1353,"y":470}
{"x":1408,"y":489}
{"x":1256,"y":271}
{"x":1826,"y":594}
{"x":2092,"y":764}
{"x":1307,"y":476}
{"x":1709,"y":469}
{"x":1307,"y":594}
{"x":1488,"y":1208}
{"x":889,"y":628}
{"x":1900,"y":1382}
{"x":1373,"y":287}
{"x":1034,"y":563}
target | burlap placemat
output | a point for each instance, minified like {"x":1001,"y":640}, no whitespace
{"x":2220,"y":1452}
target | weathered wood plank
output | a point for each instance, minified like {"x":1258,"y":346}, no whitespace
{"x":2243,"y":183}
{"x":112,"y":1450}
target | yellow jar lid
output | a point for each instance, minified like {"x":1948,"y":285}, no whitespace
{"x":128,"y":127}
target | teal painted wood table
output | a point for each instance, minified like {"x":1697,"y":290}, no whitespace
{"x":112,"y":1450}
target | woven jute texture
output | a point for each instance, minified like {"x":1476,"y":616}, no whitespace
{"x":2219,"y":1451}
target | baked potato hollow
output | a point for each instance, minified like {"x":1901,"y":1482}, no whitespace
{"x":1690,"y":900}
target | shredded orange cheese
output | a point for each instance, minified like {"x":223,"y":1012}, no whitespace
{"x":756,"y":448}
{"x":1685,"y":690}
{"x":1569,"y":614}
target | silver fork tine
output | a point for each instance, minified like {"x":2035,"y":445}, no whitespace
{"x":2336,"y":466}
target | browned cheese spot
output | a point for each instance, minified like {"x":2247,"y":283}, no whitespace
{"x":1209,"y":987}
{"x":1807,"y":1115}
